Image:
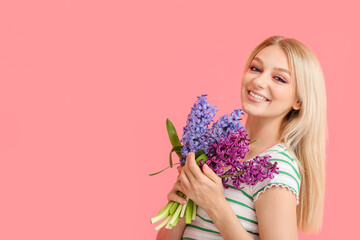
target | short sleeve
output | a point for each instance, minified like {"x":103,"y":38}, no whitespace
{"x":288,"y":176}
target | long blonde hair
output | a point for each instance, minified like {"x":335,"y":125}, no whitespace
{"x":304,"y":131}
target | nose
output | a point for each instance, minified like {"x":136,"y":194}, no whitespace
{"x":260,"y":80}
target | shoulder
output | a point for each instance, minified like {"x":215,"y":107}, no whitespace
{"x":288,"y":175}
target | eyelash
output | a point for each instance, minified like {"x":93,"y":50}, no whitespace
{"x":280,"y":79}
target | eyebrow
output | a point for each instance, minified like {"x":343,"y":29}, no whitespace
{"x":279,"y":69}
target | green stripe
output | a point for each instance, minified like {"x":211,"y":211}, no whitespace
{"x":253,"y":232}
{"x":293,"y":178}
{"x":282,"y":153}
{"x":243,"y":218}
{"x":286,"y":155}
{"x":187,"y":238}
{"x":280,"y":160}
{"x":240,"y":191}
{"x":246,"y":219}
{"x":240,"y":203}
{"x":273,"y":184}
{"x":203,"y":229}
{"x":213,"y":231}
{"x":206,"y":220}
{"x":283,"y":148}
{"x":279,"y":145}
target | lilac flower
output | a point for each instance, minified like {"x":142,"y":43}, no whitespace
{"x":255,"y":170}
{"x":196,"y":132}
{"x":224,"y":144}
{"x":226,"y":124}
{"x":226,"y":152}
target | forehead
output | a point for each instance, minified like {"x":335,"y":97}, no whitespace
{"x":272,"y":56}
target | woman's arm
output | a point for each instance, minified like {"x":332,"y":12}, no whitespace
{"x":276,"y":213}
{"x":172,"y":234}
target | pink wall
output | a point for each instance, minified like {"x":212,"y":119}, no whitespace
{"x":86,"y":86}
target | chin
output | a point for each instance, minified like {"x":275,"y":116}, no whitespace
{"x":244,"y":108}
{"x":248,"y":110}
{"x":253,"y":110}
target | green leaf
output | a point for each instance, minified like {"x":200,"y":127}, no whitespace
{"x":203,"y":157}
{"x":174,"y":139}
{"x":177,"y":150}
{"x":201,"y":151}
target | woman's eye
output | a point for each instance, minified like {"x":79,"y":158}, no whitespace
{"x":254,"y":69}
{"x":280,"y":79}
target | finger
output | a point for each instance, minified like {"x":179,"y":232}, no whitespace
{"x":187,"y":169}
{"x":176,"y":198}
{"x":194,"y":168}
{"x":210,"y":173}
{"x":177,"y":185}
{"x":179,"y":168}
{"x":173,"y":196}
{"x":184,"y":181}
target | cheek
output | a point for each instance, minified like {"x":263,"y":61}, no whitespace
{"x":242,"y":92}
{"x":244,"y":83}
{"x":285,"y":96}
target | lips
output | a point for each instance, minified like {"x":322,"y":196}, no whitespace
{"x":257,"y":97}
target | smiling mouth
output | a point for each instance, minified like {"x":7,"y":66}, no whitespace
{"x":261,"y":98}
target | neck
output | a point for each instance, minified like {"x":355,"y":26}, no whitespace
{"x":266,"y":132}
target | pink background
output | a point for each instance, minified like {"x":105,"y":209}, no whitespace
{"x":86,"y":87}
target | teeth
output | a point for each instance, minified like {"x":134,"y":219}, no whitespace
{"x":258,"y":97}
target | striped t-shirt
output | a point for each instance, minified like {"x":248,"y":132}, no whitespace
{"x":242,"y":201}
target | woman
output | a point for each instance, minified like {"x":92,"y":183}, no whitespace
{"x":283,"y":94}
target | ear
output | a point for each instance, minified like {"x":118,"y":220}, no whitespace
{"x":297,"y":105}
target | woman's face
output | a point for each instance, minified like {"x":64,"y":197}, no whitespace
{"x":267,"y":89}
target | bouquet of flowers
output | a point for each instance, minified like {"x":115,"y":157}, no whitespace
{"x":220,"y":147}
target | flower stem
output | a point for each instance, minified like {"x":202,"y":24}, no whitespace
{"x":188,"y":211}
{"x":163,"y":214}
{"x":163,"y":223}
{"x":193,"y":211}
{"x":162,"y":209}
{"x":184,"y":208}
{"x":230,"y":175}
{"x":168,"y":226}
{"x":152,"y":174}
{"x":173,"y":208}
{"x":176,"y":221}
{"x":176,"y":214}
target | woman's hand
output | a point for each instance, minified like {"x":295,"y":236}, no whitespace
{"x":172,"y":195}
{"x":204,"y":188}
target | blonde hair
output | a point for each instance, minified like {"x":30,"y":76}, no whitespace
{"x":304,"y":131}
